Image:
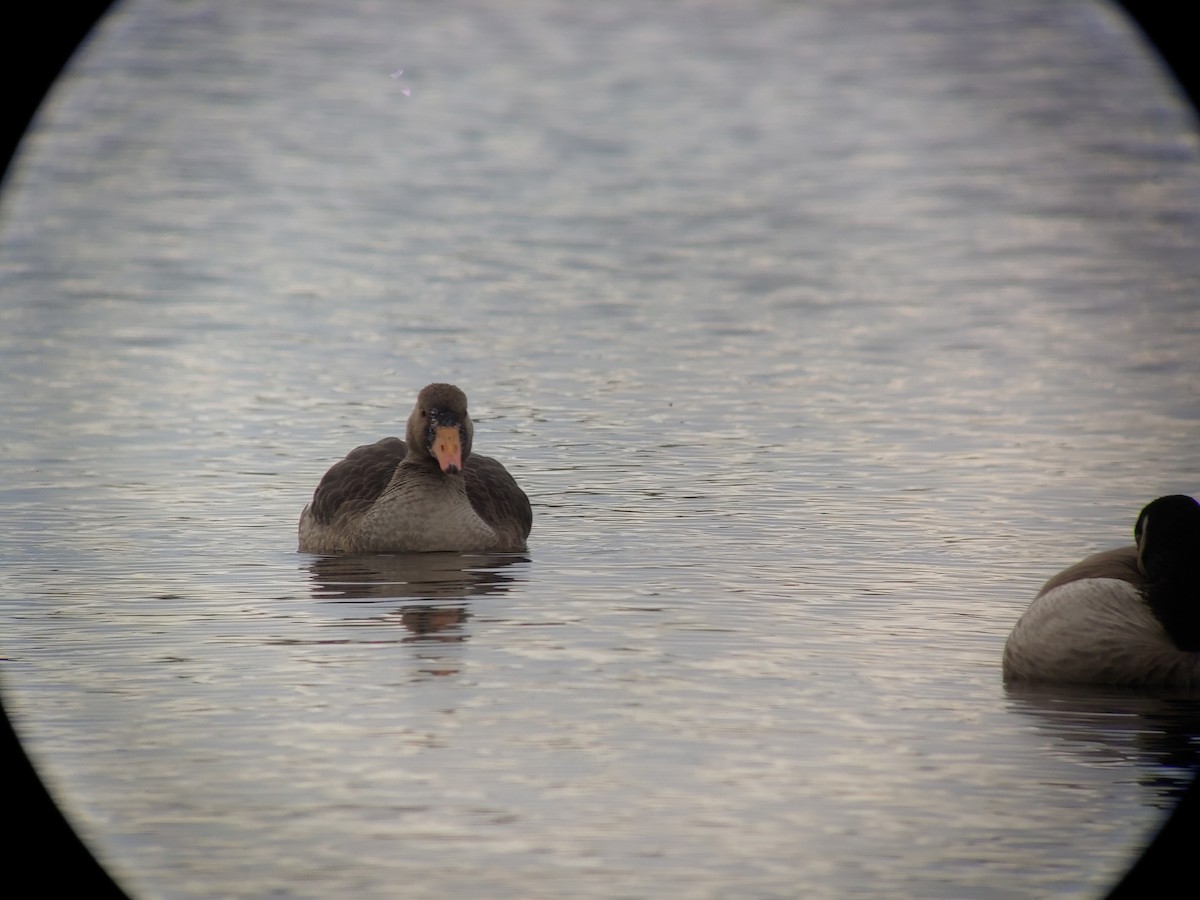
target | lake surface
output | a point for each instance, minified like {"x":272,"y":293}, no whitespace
{"x":819,"y":334}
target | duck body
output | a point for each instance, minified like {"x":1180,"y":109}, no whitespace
{"x":426,"y":493}
{"x":1129,"y":616}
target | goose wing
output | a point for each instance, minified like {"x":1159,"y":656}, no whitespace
{"x":356,"y":482}
{"x":496,"y":497}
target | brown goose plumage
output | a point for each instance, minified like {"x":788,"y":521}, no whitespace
{"x":428,"y":492}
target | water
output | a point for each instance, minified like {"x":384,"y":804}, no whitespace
{"x":819,"y":335}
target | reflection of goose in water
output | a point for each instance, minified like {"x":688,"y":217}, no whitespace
{"x":425,"y":493}
{"x":1103,"y":725}
{"x":435,"y":586}
{"x":423,"y":576}
{"x":1127,"y":616}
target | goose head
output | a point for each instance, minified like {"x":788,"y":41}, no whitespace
{"x":1168,"y":539}
{"x":1168,"y":555}
{"x":440,"y":429}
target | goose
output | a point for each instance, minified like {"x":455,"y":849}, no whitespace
{"x":1129,"y":616}
{"x":426,"y":493}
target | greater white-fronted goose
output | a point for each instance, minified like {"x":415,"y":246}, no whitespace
{"x":428,"y":492}
{"x":1127,"y":616}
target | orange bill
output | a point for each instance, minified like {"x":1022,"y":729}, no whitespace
{"x":447,"y":447}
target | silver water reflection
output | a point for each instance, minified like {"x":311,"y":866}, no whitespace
{"x":820,"y":334}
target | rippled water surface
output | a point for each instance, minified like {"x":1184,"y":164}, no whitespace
{"x":820,"y":334}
